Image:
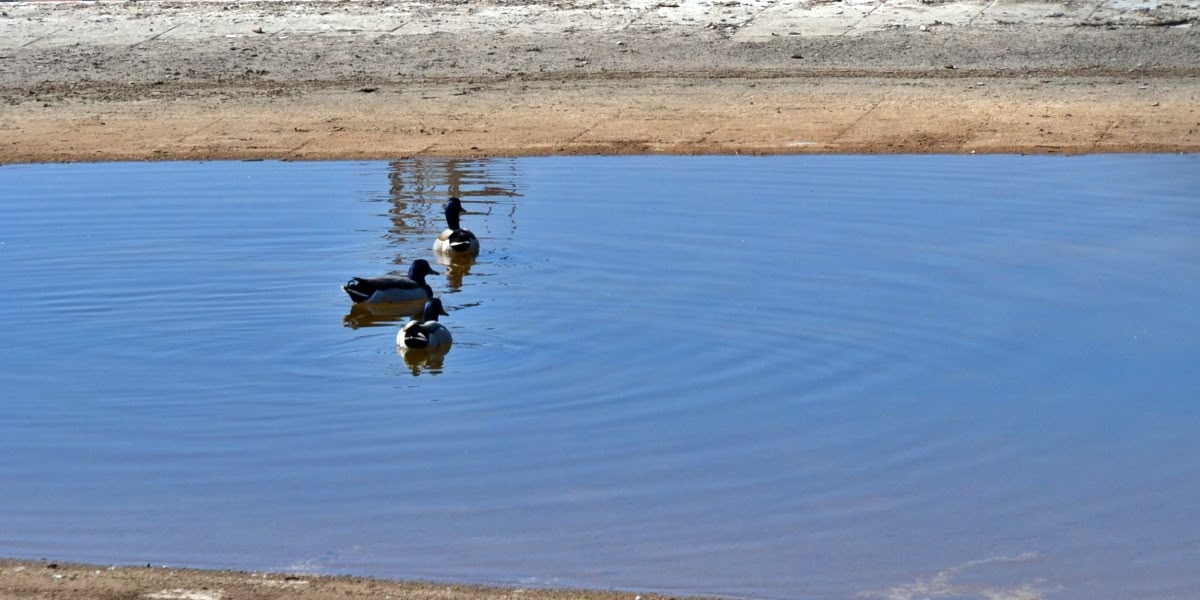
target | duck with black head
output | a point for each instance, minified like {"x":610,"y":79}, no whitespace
{"x":454,"y":240}
{"x":426,"y":333}
{"x":391,"y":288}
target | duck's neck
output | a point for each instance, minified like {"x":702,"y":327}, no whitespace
{"x":452,"y":219}
{"x":431,"y":314}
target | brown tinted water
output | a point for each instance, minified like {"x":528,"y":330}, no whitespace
{"x":787,"y":377}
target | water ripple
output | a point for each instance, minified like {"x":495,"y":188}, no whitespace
{"x":950,"y":376}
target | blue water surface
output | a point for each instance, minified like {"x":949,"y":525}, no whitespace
{"x":784,"y":377}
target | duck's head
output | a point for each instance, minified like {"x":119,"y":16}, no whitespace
{"x":419,"y":269}
{"x":433,"y":308}
{"x":454,"y":208}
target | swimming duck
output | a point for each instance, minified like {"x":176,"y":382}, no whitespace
{"x":390,"y":288}
{"x":426,"y":333}
{"x":454,"y":239}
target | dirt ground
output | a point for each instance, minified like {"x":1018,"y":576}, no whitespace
{"x":42,"y":580}
{"x":87,"y":81}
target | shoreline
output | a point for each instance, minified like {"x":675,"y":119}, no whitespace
{"x":45,"y":580}
{"x":837,"y":116}
{"x":371,"y":79}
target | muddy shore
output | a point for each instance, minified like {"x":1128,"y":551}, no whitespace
{"x":369,"y":79}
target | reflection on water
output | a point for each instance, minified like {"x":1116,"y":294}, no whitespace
{"x":423,"y":360}
{"x":418,"y":189}
{"x":456,"y":266}
{"x":420,"y":186}
{"x":790,"y":377}
{"x":375,"y":315}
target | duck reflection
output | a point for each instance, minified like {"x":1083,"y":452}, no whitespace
{"x":457,"y":266}
{"x":378,"y":315}
{"x":419,"y":361}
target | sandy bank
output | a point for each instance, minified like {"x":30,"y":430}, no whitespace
{"x":327,"y":80}
{"x":30,"y":580}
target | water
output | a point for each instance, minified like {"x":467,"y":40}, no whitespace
{"x":790,"y":377}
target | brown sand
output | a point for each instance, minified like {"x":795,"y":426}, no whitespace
{"x":1025,"y":83}
{"x":665,"y":115}
{"x":29,"y":580}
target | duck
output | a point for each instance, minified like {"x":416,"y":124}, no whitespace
{"x":426,"y":333}
{"x":455,"y":240}
{"x":390,"y":288}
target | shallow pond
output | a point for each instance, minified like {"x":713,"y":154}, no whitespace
{"x":787,"y":377}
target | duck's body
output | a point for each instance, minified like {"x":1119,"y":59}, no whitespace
{"x":426,"y":333}
{"x":456,"y":242}
{"x":391,"y":288}
{"x":454,"y":239}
